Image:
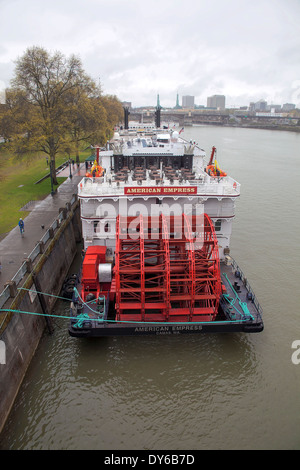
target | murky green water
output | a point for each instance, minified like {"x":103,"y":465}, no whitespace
{"x":189,"y":392}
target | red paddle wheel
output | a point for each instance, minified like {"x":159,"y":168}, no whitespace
{"x":167,"y":269}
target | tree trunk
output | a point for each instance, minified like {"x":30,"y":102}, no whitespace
{"x":53,"y":171}
{"x":52,"y":154}
{"x":77,"y":153}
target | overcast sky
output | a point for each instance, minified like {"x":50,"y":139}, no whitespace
{"x":245,"y":49}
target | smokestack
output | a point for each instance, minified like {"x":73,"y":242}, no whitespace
{"x":126,"y":115}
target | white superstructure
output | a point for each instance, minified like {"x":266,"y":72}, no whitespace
{"x":149,"y":174}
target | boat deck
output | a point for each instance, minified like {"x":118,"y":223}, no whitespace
{"x":239,"y":304}
{"x":239,"y":311}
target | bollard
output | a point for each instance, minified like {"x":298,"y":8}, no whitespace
{"x":28,"y":264}
{"x":42,"y":246}
{"x":64,"y":212}
{"x":12,"y":288}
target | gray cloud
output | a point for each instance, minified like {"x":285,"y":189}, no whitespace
{"x":244,"y":49}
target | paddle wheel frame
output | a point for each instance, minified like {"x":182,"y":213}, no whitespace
{"x":167,"y":269}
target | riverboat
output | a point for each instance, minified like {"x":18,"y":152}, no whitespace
{"x":156,"y":221}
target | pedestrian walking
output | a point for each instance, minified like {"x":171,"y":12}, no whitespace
{"x":22,"y":226}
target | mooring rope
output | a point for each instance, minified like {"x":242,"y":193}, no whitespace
{"x":83,"y":316}
{"x":43,"y":293}
{"x":120,"y":321}
{"x":232,"y":301}
{"x":66,"y":298}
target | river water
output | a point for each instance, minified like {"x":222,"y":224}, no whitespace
{"x":224,"y":391}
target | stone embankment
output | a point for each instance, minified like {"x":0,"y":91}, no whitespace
{"x":30,"y":270}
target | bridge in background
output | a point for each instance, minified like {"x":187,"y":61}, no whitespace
{"x":186,"y":117}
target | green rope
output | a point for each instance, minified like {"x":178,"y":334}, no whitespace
{"x":91,"y":301}
{"x":120,"y":321}
{"x":243,"y":305}
{"x":65,"y":298}
{"x":84,"y":316}
{"x":81,"y":318}
{"x":44,"y":293}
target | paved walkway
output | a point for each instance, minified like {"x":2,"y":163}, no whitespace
{"x":14,"y":248}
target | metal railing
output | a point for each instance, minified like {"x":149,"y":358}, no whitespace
{"x":22,"y":271}
{"x":102,"y":187}
{"x":247,"y":285}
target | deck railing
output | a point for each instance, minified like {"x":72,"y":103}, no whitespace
{"x":226,"y":186}
{"x":247,"y":285}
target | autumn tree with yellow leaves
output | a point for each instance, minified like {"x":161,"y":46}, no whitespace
{"x":53,"y":105}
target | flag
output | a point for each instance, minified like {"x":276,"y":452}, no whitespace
{"x":181,"y":130}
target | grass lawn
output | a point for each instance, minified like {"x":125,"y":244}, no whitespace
{"x":17,"y":180}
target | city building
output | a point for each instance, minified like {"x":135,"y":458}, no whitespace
{"x":216,"y":101}
{"x":288,"y":107}
{"x":188,"y":101}
{"x":260,"y":105}
{"x":273,"y":108}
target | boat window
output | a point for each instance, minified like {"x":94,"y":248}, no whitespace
{"x":218,"y":225}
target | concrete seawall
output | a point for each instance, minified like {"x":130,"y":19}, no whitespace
{"x":20,"y":333}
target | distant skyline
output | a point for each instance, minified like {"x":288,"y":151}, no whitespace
{"x":262,"y":103}
{"x":227,"y":106}
{"x":246,"y":50}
